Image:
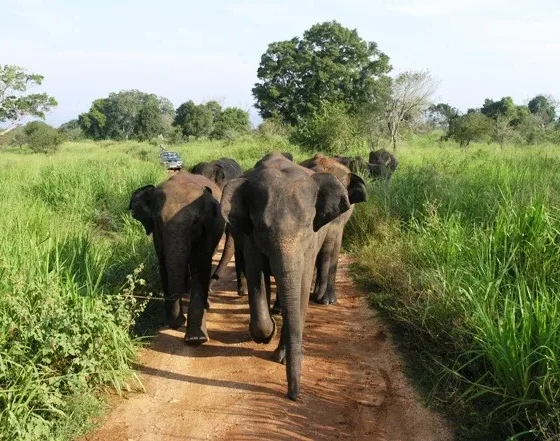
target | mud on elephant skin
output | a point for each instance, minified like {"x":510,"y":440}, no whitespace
{"x":183,"y":215}
{"x":326,"y":265}
{"x":281,"y":210}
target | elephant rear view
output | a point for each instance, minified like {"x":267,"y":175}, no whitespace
{"x":183,"y":214}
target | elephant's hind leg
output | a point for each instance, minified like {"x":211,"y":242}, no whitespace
{"x":201,"y":268}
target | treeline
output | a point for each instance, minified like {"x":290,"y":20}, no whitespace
{"x":131,"y":114}
{"x":500,"y":121}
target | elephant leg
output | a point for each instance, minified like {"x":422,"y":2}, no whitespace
{"x":201,"y":268}
{"x":261,"y":325}
{"x":242,"y":289}
{"x":158,"y":245}
{"x":176,"y":265}
{"x":322,"y":266}
{"x":329,"y":297}
{"x":227,"y":254}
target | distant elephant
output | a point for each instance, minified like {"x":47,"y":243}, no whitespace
{"x":183,"y":213}
{"x":355,"y":164}
{"x":327,"y":260}
{"x":382,"y":164}
{"x":281,"y":210}
{"x":221,"y":171}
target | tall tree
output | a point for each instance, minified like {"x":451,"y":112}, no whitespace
{"x":544,"y":109}
{"x":15,"y":103}
{"x":195,"y":120}
{"x":231,"y":121}
{"x":329,"y":65}
{"x":474,"y":126}
{"x":441,"y":115}
{"x":409,"y":98}
{"x":117,"y":116}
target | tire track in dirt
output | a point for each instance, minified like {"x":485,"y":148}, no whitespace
{"x":353,"y":387}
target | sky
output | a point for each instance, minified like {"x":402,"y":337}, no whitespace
{"x":208,"y":50}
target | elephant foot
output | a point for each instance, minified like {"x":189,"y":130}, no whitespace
{"x":260,"y":336}
{"x":242,"y":292}
{"x":293,"y":390}
{"x":329,"y":298}
{"x":196,"y":337}
{"x":213,"y":281}
{"x":279,"y":355}
{"x":177,"y":322}
{"x":276,"y":309}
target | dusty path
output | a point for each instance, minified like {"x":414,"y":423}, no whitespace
{"x":353,"y":387}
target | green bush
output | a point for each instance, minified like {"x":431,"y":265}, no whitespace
{"x":330,"y":130}
{"x":42,"y":138}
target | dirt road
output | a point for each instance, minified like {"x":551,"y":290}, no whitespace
{"x":353,"y":387}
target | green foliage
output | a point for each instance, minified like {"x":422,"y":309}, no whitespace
{"x":441,"y":115}
{"x":473,"y":126}
{"x":210,"y":120}
{"x":461,"y":249}
{"x":71,"y":131}
{"x":543,"y":109}
{"x":231,"y":122}
{"x":15,"y":103}
{"x":42,"y":138}
{"x":330,"y":130}
{"x":329,"y":65}
{"x":127,"y":114}
{"x":196,"y":120}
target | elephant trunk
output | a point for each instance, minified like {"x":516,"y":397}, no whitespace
{"x":227,"y":254}
{"x":289,"y":285}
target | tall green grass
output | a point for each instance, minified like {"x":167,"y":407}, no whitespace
{"x":463,"y":248}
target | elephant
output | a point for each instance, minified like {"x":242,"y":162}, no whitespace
{"x":355,"y":164}
{"x":281,"y":210}
{"x":221,"y":171}
{"x":382,"y":164}
{"x":326,"y":265}
{"x":183,"y":215}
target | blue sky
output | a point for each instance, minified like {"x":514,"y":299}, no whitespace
{"x":211,"y":50}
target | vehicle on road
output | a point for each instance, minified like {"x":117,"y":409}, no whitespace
{"x":170,"y":160}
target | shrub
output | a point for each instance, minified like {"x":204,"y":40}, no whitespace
{"x":330,"y":130}
{"x":42,"y":138}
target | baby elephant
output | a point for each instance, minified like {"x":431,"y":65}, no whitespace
{"x":183,"y":214}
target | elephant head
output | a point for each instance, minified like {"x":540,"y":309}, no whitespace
{"x":212,"y":170}
{"x":141,"y":207}
{"x":282,"y":210}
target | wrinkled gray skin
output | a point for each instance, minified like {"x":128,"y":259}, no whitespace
{"x":183,"y":214}
{"x":326,"y":265}
{"x":221,"y":171}
{"x":280,"y":209}
{"x":381,"y":164}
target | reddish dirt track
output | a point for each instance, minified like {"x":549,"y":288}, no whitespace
{"x":353,"y":387}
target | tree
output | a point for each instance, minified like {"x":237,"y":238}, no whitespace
{"x":329,"y":65}
{"x":71,"y":130}
{"x":117,"y":116}
{"x":151,"y":120}
{"x":409,"y":98}
{"x":15,"y":103}
{"x":473,"y":126}
{"x":195,"y":120}
{"x":441,"y":115}
{"x":41,"y":137}
{"x":231,"y":122}
{"x":544,"y":109}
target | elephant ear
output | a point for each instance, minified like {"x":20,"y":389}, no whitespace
{"x":332,"y":199}
{"x":234,"y":207}
{"x":141,"y":207}
{"x":357,"y":191}
{"x":288,"y":155}
{"x":219,"y":175}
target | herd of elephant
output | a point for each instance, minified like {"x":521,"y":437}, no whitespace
{"x":281,"y":219}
